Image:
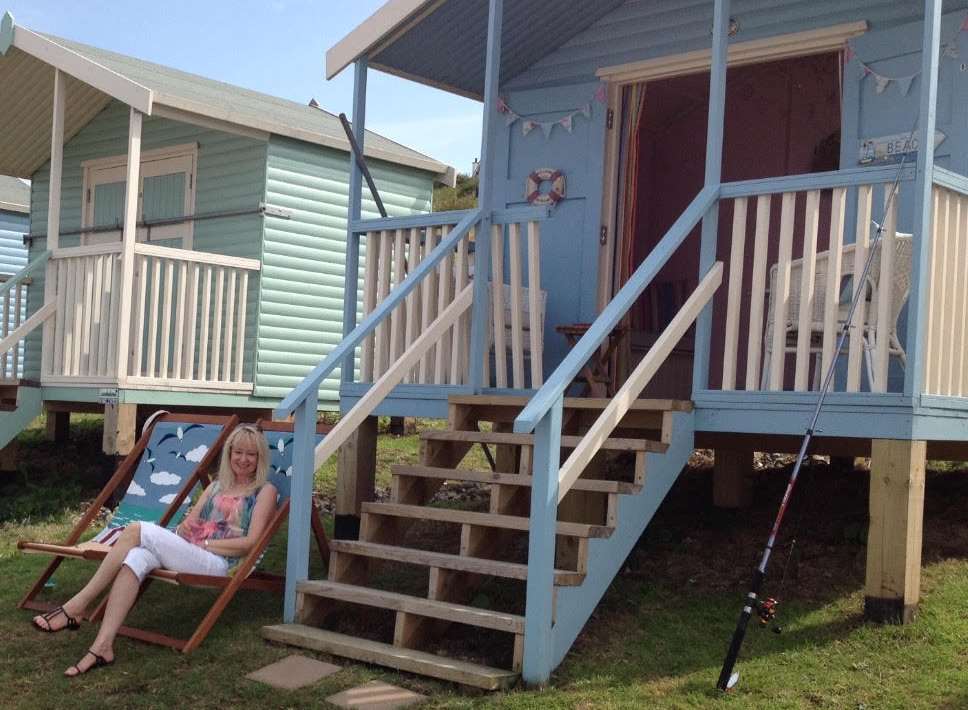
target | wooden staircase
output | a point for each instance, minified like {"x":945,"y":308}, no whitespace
{"x":466,"y":566}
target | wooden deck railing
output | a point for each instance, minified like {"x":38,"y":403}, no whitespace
{"x":391,"y":256}
{"x":12,"y":311}
{"x":188,"y":318}
{"x":792,"y":301}
{"x":946,"y":338}
{"x":15,"y":329}
{"x":517,"y":310}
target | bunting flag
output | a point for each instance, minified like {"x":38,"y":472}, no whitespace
{"x":566,"y":122}
{"x":949,"y":50}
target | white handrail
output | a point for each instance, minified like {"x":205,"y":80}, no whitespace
{"x":197,"y":257}
{"x":393,"y":376}
{"x":623,"y":400}
{"x":28,"y":325}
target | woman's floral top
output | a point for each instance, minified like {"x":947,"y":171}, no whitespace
{"x":222,"y":517}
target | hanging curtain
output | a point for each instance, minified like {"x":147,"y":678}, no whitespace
{"x":633,"y":108}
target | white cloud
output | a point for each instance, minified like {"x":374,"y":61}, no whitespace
{"x":136,"y":490}
{"x":165,"y":478}
{"x":167,"y":499}
{"x":196,"y":454}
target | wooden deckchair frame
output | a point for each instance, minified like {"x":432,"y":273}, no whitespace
{"x":243,"y":577}
{"x":121,"y":478}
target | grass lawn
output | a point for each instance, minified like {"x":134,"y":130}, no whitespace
{"x":656,"y":640}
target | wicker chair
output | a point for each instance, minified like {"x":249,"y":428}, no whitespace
{"x":900,"y":288}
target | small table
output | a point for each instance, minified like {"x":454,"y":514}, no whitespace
{"x":597,"y":372}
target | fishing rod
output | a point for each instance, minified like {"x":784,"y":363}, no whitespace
{"x":727,"y":677}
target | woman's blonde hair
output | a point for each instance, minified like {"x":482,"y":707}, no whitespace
{"x":226,"y":477}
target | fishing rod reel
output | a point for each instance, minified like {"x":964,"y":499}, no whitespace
{"x":766,"y":611}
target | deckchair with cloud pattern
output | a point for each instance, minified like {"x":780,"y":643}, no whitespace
{"x":245,"y":573}
{"x":167,"y":466}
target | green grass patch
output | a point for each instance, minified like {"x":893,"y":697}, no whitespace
{"x":656,"y":640}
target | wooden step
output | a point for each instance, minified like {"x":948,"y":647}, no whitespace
{"x":446,"y":611}
{"x":492,"y":520}
{"x":383,"y":654}
{"x":510,"y":479}
{"x":568,"y":442}
{"x":442,"y":560}
{"x":519,"y":401}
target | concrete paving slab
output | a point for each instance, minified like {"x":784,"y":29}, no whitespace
{"x":376,"y":696}
{"x":293,"y":672}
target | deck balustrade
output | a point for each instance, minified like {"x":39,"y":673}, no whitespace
{"x":517,"y":321}
{"x":797,"y":254}
{"x":188,"y":319}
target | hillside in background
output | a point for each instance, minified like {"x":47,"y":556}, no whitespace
{"x":461,"y":197}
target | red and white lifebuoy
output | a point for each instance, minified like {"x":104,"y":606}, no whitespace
{"x":556,"y":194}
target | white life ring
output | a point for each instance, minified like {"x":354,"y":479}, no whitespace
{"x":556,"y":194}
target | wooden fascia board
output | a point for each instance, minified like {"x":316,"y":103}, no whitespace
{"x":81,"y":68}
{"x":797,"y":44}
{"x":371,"y":32}
{"x":197,"y":111}
{"x":14,"y":207}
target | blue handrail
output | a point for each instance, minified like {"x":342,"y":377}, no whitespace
{"x":310,"y":384}
{"x":554,"y":387}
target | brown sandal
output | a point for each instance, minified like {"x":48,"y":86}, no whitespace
{"x":72,"y":624}
{"x":99,"y":662}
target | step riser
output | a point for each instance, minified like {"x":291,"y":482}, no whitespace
{"x":385,"y":655}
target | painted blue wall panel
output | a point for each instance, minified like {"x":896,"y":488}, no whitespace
{"x":569,"y":239}
{"x":644,"y":29}
{"x":13,"y":253}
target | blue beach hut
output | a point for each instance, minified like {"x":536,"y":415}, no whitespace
{"x":693,"y":194}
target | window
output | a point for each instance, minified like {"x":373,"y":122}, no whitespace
{"x":166,"y":191}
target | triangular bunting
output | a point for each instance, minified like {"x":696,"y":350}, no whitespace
{"x":881,"y":83}
{"x":527,"y":127}
{"x":586,"y":111}
{"x":964,"y":25}
{"x":600,"y":96}
{"x":904,"y":84}
{"x":510,"y":117}
{"x":567,"y":122}
{"x":865,"y":71}
{"x":546,"y":127}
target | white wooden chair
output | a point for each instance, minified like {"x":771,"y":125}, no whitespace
{"x":527,"y":323}
{"x":900,"y":287}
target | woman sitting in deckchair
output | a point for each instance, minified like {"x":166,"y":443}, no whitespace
{"x":223,"y":525}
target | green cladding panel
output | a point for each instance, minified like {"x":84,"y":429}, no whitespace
{"x":301,"y":307}
{"x":230,"y":176}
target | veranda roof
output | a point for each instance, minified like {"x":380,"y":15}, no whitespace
{"x":96,"y":76}
{"x":449,"y":50}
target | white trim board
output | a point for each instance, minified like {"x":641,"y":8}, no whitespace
{"x":79,"y":67}
{"x":373,"y":30}
{"x":797,"y":44}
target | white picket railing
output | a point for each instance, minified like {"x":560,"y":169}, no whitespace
{"x":189,"y":319}
{"x":86,"y":283}
{"x":790,"y":303}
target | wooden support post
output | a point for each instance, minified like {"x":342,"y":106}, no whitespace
{"x":58,"y":426}
{"x":355,"y":479}
{"x":119,"y":428}
{"x":732,"y":479}
{"x":894,"y":538}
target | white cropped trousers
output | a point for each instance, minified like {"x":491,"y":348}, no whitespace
{"x":161,"y":547}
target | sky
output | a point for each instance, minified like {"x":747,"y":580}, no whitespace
{"x":277,"y":47}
